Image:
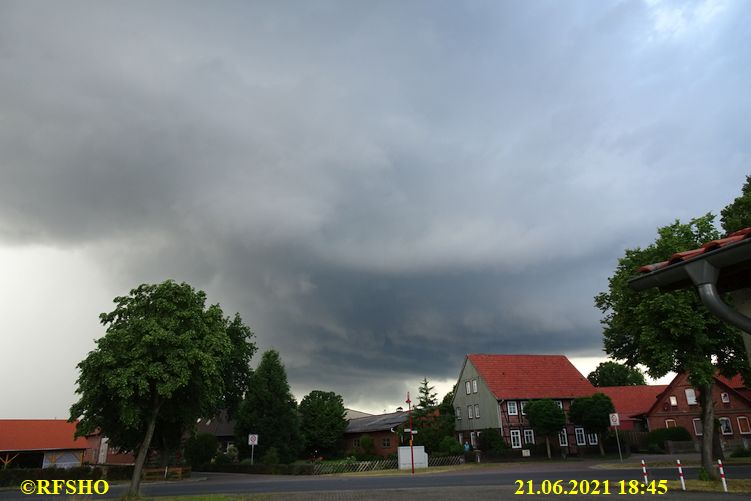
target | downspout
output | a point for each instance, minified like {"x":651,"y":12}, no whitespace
{"x":704,"y":276}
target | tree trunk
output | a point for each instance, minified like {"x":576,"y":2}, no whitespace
{"x":602,"y":446}
{"x":547,"y":444}
{"x":707,"y":422}
{"x":135,"y":481}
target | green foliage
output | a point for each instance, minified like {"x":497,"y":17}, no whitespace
{"x":704,"y":475}
{"x":237,"y":372}
{"x":162,"y":363}
{"x":737,"y":215}
{"x":322,"y":421}
{"x":426,"y":399}
{"x":434,"y":423}
{"x":367,"y":446}
{"x":270,"y":411}
{"x":200,"y":449}
{"x":592,"y":412}
{"x":545,"y":417}
{"x":614,"y":374}
{"x":740,"y":452}
{"x":261,"y":469}
{"x":490,"y":442}
{"x":660,"y":436}
{"x":270,"y":457}
{"x":451,"y":446}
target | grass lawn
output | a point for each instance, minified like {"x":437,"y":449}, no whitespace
{"x":734,"y":485}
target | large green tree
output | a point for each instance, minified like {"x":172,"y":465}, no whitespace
{"x":671,"y":331}
{"x":593,"y":413}
{"x":426,"y":397}
{"x":614,"y":374}
{"x":162,"y":361}
{"x":270,"y":411}
{"x":546,"y":419}
{"x":322,"y":421}
{"x":737,"y":215}
{"x":434,"y":422}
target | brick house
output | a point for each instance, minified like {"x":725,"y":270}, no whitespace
{"x":380,"y":427}
{"x":678,"y":405}
{"x":632,"y":403}
{"x":492,"y":391}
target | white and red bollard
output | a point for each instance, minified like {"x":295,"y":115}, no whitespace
{"x":722,"y":475}
{"x":680,"y":474}
{"x":644,"y":471}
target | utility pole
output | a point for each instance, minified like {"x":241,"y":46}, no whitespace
{"x":411,"y":434}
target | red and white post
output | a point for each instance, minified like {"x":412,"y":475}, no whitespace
{"x":644,"y":472}
{"x":680,"y":474}
{"x":722,"y":475}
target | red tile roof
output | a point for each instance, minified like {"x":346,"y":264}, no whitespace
{"x":38,"y":435}
{"x":633,"y":400}
{"x":679,"y":257}
{"x":531,"y":376}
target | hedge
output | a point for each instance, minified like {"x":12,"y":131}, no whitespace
{"x":258,"y":469}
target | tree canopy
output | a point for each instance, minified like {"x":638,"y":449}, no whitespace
{"x":670,"y":331}
{"x":737,"y":215}
{"x":322,"y":421}
{"x":270,"y":411}
{"x":426,"y":399}
{"x":163,"y":359}
{"x":593,"y":413}
{"x":546,"y":419}
{"x":614,"y":374}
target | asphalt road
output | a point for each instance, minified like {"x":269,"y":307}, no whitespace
{"x":480,"y":483}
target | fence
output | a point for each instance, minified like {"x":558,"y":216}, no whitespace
{"x":384,"y":464}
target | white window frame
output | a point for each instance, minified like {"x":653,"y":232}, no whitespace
{"x":356,"y":442}
{"x":468,"y":387}
{"x":730,"y":425}
{"x":690,"y":396}
{"x":698,"y":430}
{"x":473,"y":438}
{"x":563,"y":438}
{"x":511,"y":404}
{"x":458,"y":413}
{"x":474,"y":386}
{"x":580,"y":436}
{"x":592,"y":438}
{"x":477,"y":411}
{"x":725,"y":398}
{"x":385,"y":442}
{"x":559,"y":404}
{"x":516,"y":439}
{"x":469,"y":412}
{"x":529,"y":436}
{"x":740,"y":426}
{"x":667,"y":425}
{"x":522,"y":405}
{"x":673,"y":401}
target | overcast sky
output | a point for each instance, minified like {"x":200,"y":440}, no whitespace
{"x":379,"y":188}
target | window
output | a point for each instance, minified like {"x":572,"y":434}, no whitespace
{"x":516,"y":439}
{"x":725,"y":426}
{"x":522,"y":405}
{"x":473,"y":439}
{"x":459,"y":413}
{"x":467,"y":387}
{"x":386,"y":443}
{"x":559,"y":404}
{"x":592,"y":438}
{"x":474,"y":386}
{"x":670,"y":423}
{"x":673,"y":401}
{"x":477,"y":411}
{"x":579,"y":432}
{"x":356,"y":442}
{"x":690,"y":396}
{"x":529,"y":437}
{"x":511,"y":407}
{"x":725,"y":398}
{"x":469,"y":412}
{"x":698,"y":427}
{"x":743,"y":426}
{"x":563,"y":438}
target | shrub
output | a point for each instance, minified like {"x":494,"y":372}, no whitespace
{"x":658,"y":437}
{"x":451,"y":446}
{"x":271,"y":457}
{"x":740,"y":452}
{"x":491,"y":443}
{"x":200,"y":449}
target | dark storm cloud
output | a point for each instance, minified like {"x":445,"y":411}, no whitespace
{"x":379,"y":188}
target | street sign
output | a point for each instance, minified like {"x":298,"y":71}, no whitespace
{"x":614,"y":419}
{"x":252,"y":439}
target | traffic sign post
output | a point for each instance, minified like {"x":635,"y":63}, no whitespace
{"x":615,"y":421}
{"x":252,"y":442}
